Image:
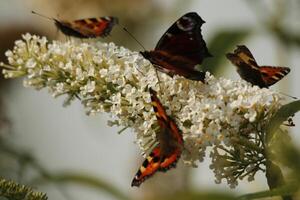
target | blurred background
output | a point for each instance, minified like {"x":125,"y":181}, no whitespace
{"x":69,"y":155}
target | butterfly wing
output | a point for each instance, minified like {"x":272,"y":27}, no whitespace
{"x":184,"y":39}
{"x":148,"y":168}
{"x":272,"y":75}
{"x":95,"y":27}
{"x":245,"y":54}
{"x":166,"y":154}
{"x":248,"y":69}
{"x":246,"y":65}
{"x":165,"y":122}
{"x":181,"y":48}
{"x":172,"y":65}
{"x":154,"y":162}
{"x":66,"y":28}
{"x":87,"y":28}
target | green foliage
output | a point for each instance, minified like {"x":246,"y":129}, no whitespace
{"x":277,"y":136}
{"x":282,"y":115}
{"x":220,"y":44}
{"x":14,"y":191}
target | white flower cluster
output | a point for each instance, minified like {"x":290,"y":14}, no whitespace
{"x":113,"y":79}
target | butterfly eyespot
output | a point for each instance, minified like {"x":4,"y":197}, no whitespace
{"x":186,"y":24}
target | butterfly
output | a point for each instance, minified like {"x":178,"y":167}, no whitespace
{"x":250,"y":71}
{"x":85,"y":28}
{"x":166,"y":154}
{"x":181,"y":48}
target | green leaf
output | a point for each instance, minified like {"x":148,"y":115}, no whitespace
{"x":274,"y":175}
{"x":282,"y":115}
{"x":220,"y":44}
{"x":15,"y":191}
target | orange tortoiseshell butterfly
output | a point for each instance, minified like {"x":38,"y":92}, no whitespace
{"x":181,"y":49}
{"x":166,"y":154}
{"x":85,"y":28}
{"x":249,"y":70}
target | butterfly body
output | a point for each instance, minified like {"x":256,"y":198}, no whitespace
{"x":181,"y":48}
{"x":166,"y":154}
{"x":250,"y":71}
{"x":87,"y":28}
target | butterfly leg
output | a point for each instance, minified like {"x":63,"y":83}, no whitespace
{"x":158,"y":79}
{"x":140,"y":71}
{"x":68,"y":38}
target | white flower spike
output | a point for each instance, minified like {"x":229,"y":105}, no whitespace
{"x":113,"y":79}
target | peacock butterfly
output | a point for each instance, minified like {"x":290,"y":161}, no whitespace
{"x":181,"y":48}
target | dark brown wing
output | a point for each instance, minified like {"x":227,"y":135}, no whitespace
{"x":246,"y":68}
{"x":184,"y":38}
{"x":245,"y":54}
{"x":181,"y":49}
{"x":173,"y":65}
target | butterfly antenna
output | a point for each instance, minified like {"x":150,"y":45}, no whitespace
{"x":288,"y":95}
{"x":124,"y":29}
{"x":44,"y":16}
{"x":132,"y":36}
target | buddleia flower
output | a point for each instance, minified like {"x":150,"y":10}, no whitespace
{"x":223,"y":118}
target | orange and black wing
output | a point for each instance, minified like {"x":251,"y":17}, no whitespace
{"x":165,"y":122}
{"x":155,"y":162}
{"x":249,"y":70}
{"x":166,"y":154}
{"x":272,"y":75}
{"x":148,"y":168}
{"x":87,"y":28}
